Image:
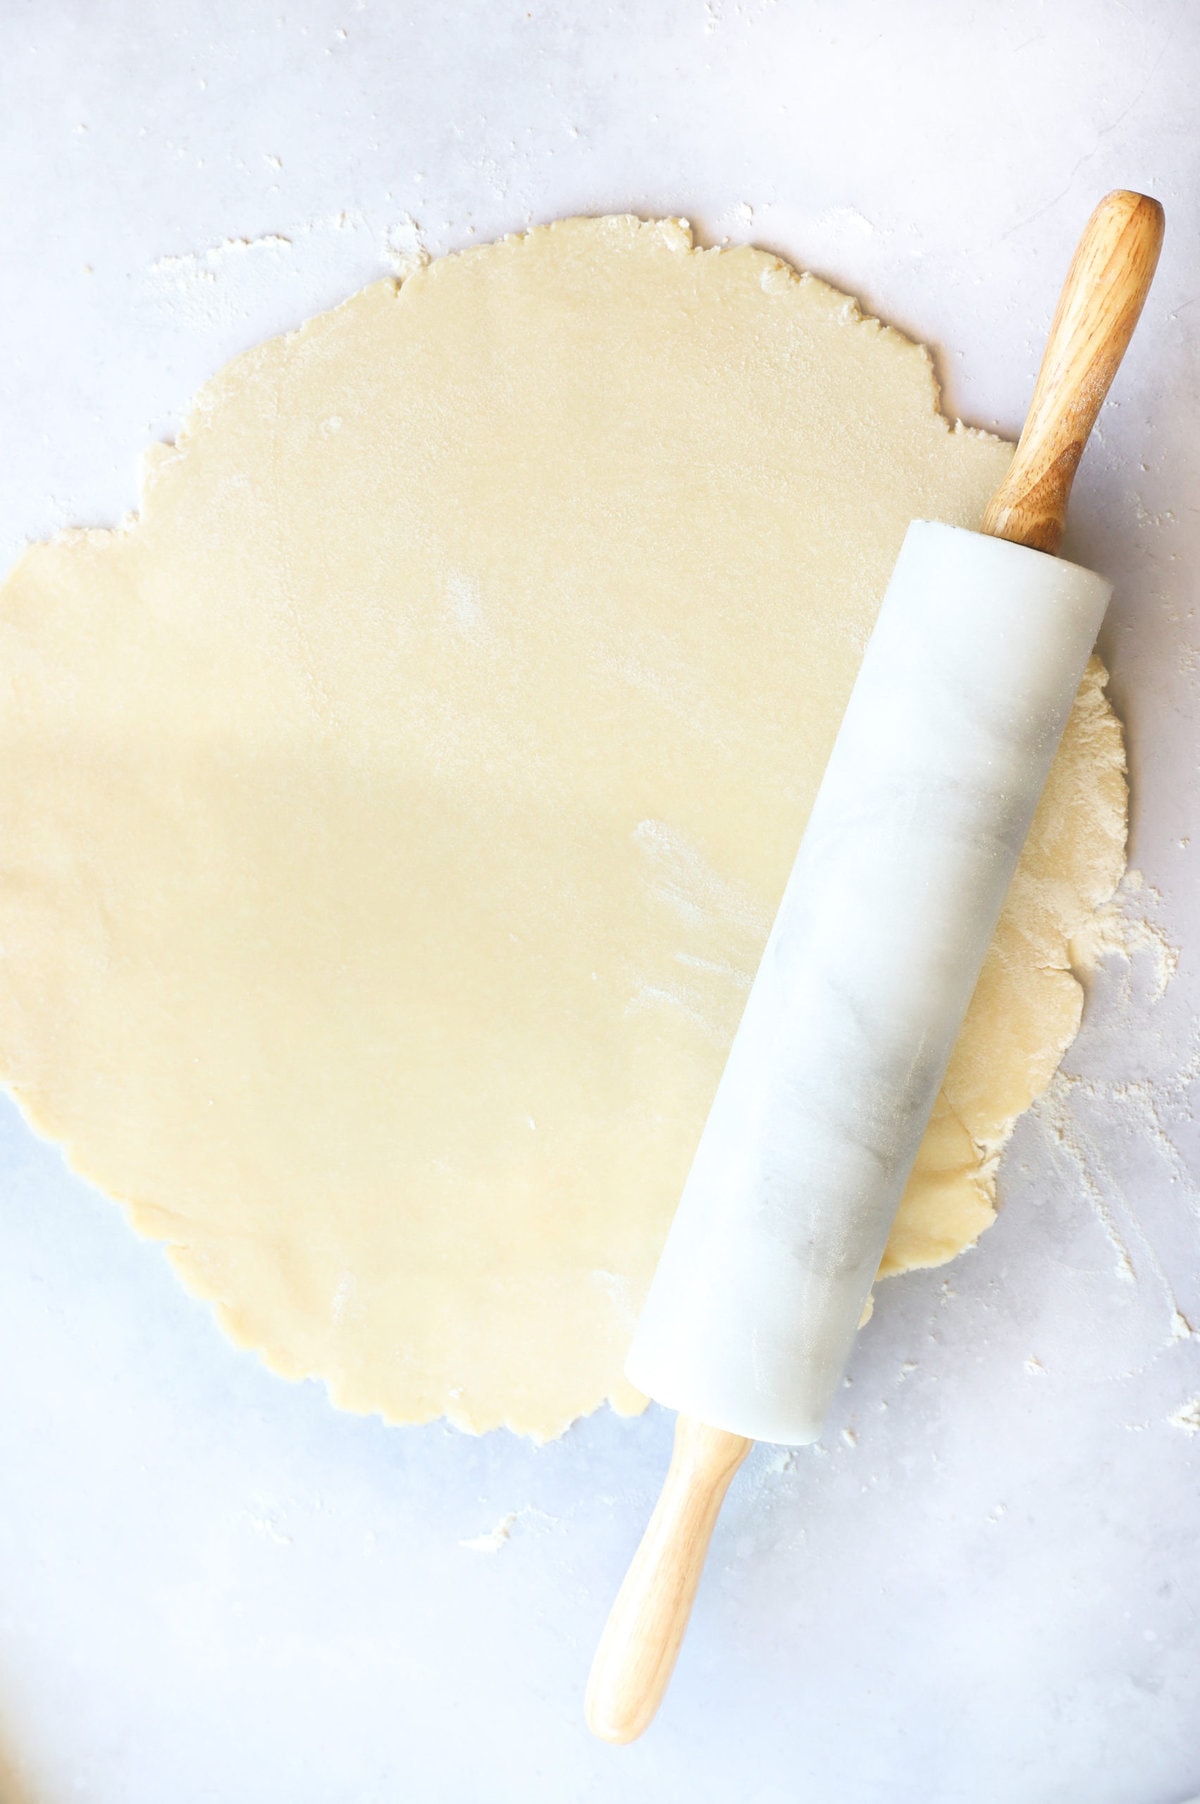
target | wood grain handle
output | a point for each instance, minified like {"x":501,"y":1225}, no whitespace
{"x":1106,"y":285}
{"x":645,"y":1628}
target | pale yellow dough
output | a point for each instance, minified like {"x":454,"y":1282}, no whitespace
{"x":393,"y":816}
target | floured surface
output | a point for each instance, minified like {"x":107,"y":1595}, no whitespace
{"x":393,"y":818}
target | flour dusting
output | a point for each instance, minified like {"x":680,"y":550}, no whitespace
{"x":494,"y":1539}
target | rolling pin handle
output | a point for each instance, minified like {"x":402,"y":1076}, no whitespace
{"x":645,"y":1628}
{"x":1099,"y":306}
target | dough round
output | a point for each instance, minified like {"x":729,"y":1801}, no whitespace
{"x":393,"y":815}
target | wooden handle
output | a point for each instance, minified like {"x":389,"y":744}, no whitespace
{"x":1102,"y":297}
{"x":642,"y":1637}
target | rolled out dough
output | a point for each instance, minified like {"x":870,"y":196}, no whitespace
{"x":394,"y":814}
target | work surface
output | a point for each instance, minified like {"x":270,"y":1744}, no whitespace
{"x":982,"y":1585}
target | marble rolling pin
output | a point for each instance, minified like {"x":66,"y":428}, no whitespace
{"x":965,"y":687}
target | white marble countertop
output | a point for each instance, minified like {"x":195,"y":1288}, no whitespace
{"x":983,"y":1587}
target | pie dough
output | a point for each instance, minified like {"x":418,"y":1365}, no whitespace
{"x":393,"y":815}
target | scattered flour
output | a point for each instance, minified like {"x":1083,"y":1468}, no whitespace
{"x":211,"y":288}
{"x":1123,"y":929}
{"x":1187,"y":1417}
{"x":1104,"y":1124}
{"x":494,"y":1539}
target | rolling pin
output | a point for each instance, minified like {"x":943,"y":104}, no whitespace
{"x":965,"y":687}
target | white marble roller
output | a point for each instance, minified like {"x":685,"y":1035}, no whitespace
{"x":931,"y":786}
